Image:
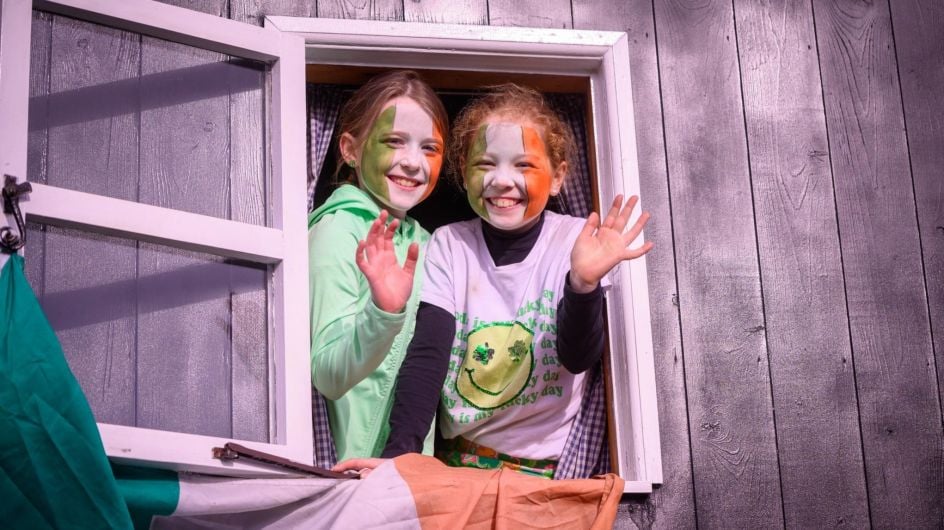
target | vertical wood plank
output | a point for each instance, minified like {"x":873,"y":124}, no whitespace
{"x":361,"y":9}
{"x":37,"y":144}
{"x":446,"y":11}
{"x":184,"y":355}
{"x":672,"y":505}
{"x":254,"y":11}
{"x":888,"y":309}
{"x":248,"y":201}
{"x":817,"y":416}
{"x":736,"y":475}
{"x":919,"y":42}
{"x":531,"y":13}
{"x":248,"y":319}
{"x":97,"y":155}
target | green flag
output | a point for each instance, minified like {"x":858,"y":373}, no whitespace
{"x":53,"y":469}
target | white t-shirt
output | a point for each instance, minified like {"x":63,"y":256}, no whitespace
{"x":505,"y":387}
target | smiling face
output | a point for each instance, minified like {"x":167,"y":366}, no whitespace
{"x":508,"y":175}
{"x":400,"y":159}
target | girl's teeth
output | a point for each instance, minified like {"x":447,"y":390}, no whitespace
{"x":406,"y":182}
{"x":504,"y":203}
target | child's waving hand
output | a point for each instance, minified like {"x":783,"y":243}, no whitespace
{"x":390,"y":284}
{"x":600,"y":247}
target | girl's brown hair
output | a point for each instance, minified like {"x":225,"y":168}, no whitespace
{"x":516,"y":103}
{"x":365,"y":105}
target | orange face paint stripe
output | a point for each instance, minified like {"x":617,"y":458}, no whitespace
{"x":435,"y":165}
{"x":538,"y":181}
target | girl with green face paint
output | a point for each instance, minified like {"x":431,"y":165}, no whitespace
{"x":364,"y":252}
{"x":513,"y":309}
{"x":399,"y":160}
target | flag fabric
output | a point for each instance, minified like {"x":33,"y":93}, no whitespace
{"x":54,"y":472}
{"x":53,"y":469}
{"x":410,"y":492}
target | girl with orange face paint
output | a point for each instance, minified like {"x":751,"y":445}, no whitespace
{"x":510,"y":320}
{"x":364,"y":251}
{"x":508,"y":175}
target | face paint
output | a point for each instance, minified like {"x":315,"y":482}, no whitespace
{"x":508,"y":175}
{"x":401,"y":157}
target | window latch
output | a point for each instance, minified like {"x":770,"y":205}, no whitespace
{"x":11,"y":242}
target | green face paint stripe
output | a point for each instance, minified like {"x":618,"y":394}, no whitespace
{"x":474,"y":178}
{"x":376,"y":157}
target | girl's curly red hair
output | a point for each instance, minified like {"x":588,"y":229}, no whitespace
{"x":516,"y":103}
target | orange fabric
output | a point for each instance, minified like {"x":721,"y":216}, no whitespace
{"x":452,"y":497}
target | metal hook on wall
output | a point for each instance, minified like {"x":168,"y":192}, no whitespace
{"x":10,"y":242}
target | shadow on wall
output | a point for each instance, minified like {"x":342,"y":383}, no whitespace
{"x":146,"y":92}
{"x":187,"y":285}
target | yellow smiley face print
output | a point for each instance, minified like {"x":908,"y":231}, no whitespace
{"x":497,"y":365}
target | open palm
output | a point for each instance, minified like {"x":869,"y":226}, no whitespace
{"x":390,"y":284}
{"x":600,"y":247}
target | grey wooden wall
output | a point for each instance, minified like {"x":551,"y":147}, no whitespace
{"x":791,"y":154}
{"x":148,"y":330}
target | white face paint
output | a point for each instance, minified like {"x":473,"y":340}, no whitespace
{"x":504,"y":188}
{"x":401,"y":158}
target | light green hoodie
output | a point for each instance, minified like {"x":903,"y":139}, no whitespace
{"x":356,"y":348}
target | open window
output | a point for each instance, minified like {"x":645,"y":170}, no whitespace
{"x":166,"y":149}
{"x":167,"y":243}
{"x":593,"y":64}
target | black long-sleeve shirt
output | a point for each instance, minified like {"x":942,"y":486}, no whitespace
{"x":579,"y":344}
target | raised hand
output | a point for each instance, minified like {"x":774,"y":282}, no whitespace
{"x":390,"y":284}
{"x":600,"y":247}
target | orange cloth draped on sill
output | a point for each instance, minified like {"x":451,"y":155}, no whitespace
{"x":449,"y":497}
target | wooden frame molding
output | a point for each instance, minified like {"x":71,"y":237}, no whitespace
{"x":602,"y":57}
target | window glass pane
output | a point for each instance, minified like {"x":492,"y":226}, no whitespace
{"x":142,"y":119}
{"x":158,"y":337}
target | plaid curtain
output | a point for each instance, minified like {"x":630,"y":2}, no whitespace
{"x":575,"y":198}
{"x":586,"y":451}
{"x":324,"y":106}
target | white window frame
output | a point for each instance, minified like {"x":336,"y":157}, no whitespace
{"x":603,"y":58}
{"x":283,"y":247}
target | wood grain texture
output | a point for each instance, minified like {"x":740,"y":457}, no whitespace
{"x":97,"y":155}
{"x":254,"y":11}
{"x":37,"y":144}
{"x":212,"y":7}
{"x":817,"y":417}
{"x":361,"y":9}
{"x":734,"y":453}
{"x":446,"y":11}
{"x":248,"y":200}
{"x":888,"y":309}
{"x":672,"y":505}
{"x":184,"y":356}
{"x":919,"y":42}
{"x":531,"y":13}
